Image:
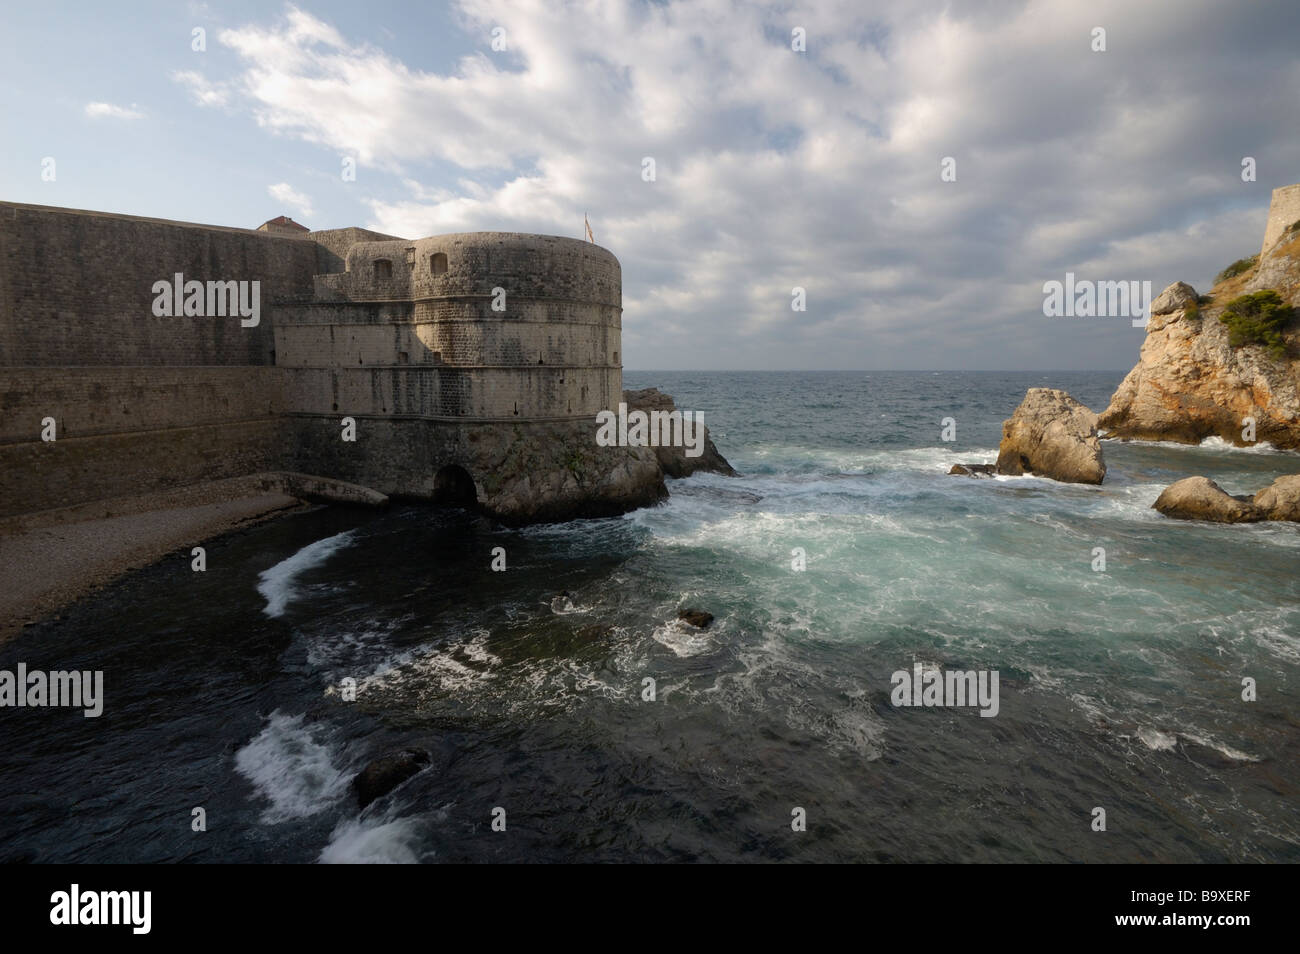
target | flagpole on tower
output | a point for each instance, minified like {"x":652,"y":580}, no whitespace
{"x":587,"y":225}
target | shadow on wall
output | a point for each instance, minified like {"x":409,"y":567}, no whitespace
{"x":453,"y":487}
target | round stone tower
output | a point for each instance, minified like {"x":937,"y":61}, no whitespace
{"x":474,"y":364}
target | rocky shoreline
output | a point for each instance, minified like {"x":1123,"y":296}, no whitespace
{"x":1224,"y":365}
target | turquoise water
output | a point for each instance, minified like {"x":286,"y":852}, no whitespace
{"x":1118,"y":689}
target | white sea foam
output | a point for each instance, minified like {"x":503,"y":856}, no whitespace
{"x":683,"y":638}
{"x":291,"y":769}
{"x":1223,"y":749}
{"x":564,"y":606}
{"x":1156,"y":740}
{"x":1210,"y":443}
{"x":369,"y":841}
{"x":279,"y":584}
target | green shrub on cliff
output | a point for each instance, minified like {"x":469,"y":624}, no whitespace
{"x":1258,"y":319}
{"x":1193,"y":310}
{"x":1236,"y":268}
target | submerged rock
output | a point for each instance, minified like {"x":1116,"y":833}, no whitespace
{"x":696,"y":617}
{"x":1199,"y":498}
{"x":1052,"y":435}
{"x":973,"y":470}
{"x":386,"y":773}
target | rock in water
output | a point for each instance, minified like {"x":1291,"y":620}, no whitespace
{"x":696,"y":617}
{"x":1052,"y":435}
{"x":1199,"y":498}
{"x":1281,"y":499}
{"x":973,"y":470}
{"x":386,"y":773}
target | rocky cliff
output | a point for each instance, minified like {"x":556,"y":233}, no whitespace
{"x":1190,"y":383}
{"x":673,"y":460}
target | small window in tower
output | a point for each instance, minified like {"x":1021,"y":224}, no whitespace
{"x":403,"y":357}
{"x":616,"y":357}
{"x":438,"y":263}
{"x":383,"y":268}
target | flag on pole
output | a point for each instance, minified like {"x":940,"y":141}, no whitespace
{"x":590,"y":237}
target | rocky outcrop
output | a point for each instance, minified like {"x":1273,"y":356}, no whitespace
{"x":1190,"y":383}
{"x":531,"y":474}
{"x":1052,"y":435}
{"x":1199,"y":498}
{"x":673,"y":460}
{"x":386,"y":773}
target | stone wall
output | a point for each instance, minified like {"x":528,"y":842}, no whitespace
{"x":75,"y":288}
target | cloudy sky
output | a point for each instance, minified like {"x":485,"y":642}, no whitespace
{"x":773,"y":168}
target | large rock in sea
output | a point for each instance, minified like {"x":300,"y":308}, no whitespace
{"x":1052,"y":435}
{"x":1281,"y":499}
{"x":1199,"y":498}
{"x":1190,"y":383}
{"x":673,"y":460}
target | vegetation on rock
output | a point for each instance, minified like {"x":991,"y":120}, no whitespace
{"x":1258,"y":319}
{"x":1236,"y":268}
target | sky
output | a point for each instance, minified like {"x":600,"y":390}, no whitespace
{"x":774,"y":168}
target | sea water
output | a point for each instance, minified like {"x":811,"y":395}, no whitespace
{"x":563,"y":701}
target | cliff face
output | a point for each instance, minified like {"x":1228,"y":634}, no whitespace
{"x":1190,"y":383}
{"x":673,"y":460}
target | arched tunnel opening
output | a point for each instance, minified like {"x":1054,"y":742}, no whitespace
{"x":453,"y":486}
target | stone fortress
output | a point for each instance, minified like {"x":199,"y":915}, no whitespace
{"x":468,"y":367}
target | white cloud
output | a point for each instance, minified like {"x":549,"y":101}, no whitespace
{"x":821,"y":169}
{"x":286,"y":194}
{"x":110,"y":111}
{"x":205,"y":93}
